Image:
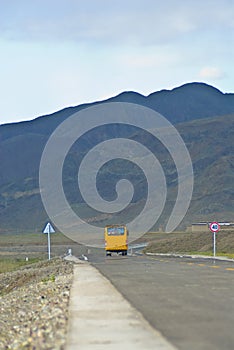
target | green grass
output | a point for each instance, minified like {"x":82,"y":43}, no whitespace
{"x":14,"y":248}
{"x":12,"y":264}
{"x":32,"y":239}
{"x":50,"y":278}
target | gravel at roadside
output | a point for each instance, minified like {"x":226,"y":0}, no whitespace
{"x":34,"y":305}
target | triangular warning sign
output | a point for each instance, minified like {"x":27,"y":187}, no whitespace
{"x":48,"y":228}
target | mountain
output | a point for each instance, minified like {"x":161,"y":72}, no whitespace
{"x":203,"y":116}
{"x":184,"y":103}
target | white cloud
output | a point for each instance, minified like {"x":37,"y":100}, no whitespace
{"x":211,"y":73}
{"x":107,"y":22}
{"x":58,"y":53}
{"x":149,"y":58}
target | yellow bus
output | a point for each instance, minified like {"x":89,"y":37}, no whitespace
{"x":116,"y":239}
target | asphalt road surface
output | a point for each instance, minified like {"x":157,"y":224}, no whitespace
{"x":190,"y":301}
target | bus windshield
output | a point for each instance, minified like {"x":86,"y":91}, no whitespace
{"x":115,"y":231}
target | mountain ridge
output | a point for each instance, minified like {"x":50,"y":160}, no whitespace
{"x":208,"y":135}
{"x":195,"y":88}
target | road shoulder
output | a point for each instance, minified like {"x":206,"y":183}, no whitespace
{"x":100,"y":317}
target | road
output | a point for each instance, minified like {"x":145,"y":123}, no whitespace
{"x":190,"y":301}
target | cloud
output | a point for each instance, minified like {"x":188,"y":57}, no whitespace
{"x":74,"y":51}
{"x":107,"y":22}
{"x":211,"y":73}
{"x":156,"y":58}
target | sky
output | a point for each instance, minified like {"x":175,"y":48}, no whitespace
{"x":60,"y":53}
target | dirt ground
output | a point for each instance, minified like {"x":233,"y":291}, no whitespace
{"x":34,"y":305}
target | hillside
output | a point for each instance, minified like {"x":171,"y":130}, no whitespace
{"x":203,"y":116}
{"x":190,"y":243}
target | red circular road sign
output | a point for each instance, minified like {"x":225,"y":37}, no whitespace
{"x":214,"y":226}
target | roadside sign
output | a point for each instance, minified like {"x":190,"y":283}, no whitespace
{"x":49,"y":228}
{"x":214,"y":226}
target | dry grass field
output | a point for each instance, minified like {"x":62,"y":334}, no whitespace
{"x":18,"y":250}
{"x":191,"y":243}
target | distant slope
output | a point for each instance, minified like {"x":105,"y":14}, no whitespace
{"x":211,"y":146}
{"x":202,"y":114}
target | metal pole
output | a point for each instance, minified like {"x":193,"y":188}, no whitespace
{"x":48,"y":244}
{"x":214,"y":244}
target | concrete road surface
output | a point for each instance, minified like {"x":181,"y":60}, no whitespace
{"x":190,"y":301}
{"x":100,"y":318}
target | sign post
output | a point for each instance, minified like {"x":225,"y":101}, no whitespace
{"x":214,"y":227}
{"x":48,"y":229}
